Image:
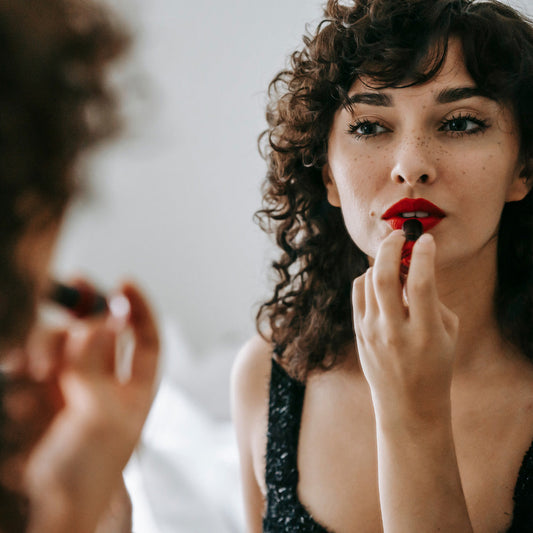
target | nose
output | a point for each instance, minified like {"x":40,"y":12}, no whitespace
{"x":414,"y":162}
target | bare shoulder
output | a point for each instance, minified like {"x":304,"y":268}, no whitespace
{"x":251,"y":374}
{"x":249,"y":398}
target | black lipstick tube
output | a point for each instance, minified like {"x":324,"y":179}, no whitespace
{"x":412,"y":229}
{"x":80,"y":299}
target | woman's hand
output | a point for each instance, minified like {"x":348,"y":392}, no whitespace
{"x":76,"y":467}
{"x":406,"y":353}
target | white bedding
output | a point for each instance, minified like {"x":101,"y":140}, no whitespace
{"x":184,"y":476}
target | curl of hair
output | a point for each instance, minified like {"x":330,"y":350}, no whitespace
{"x":55,"y":103}
{"x":392,"y":44}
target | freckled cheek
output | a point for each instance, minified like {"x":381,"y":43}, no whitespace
{"x":360,"y":177}
{"x":485,"y":178}
{"x":358,"y":186}
{"x":361,"y":218}
{"x":479,"y":192}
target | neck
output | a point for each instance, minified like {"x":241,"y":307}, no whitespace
{"x":468,"y":289}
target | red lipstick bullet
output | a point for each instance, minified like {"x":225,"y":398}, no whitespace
{"x":412,"y":229}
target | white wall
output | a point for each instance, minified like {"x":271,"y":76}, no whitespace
{"x":172,"y":203}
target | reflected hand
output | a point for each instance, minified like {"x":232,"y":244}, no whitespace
{"x":76,"y":466}
{"x":117,"y":518}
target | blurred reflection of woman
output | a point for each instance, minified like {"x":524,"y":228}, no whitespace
{"x":67,"y":426}
{"x":421,"y":420}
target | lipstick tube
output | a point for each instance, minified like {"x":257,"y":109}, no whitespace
{"x":81,"y":300}
{"x":412,"y":229}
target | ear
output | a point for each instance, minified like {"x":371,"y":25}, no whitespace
{"x":521,"y":184}
{"x":331,"y":186}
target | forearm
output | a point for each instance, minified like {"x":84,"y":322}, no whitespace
{"x":118,"y":516}
{"x":62,"y":512}
{"x":419,"y":480}
{"x":59,"y":513}
{"x":74,"y":492}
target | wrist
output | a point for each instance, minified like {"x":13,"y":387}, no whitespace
{"x":54,"y":512}
{"x":407,"y":415}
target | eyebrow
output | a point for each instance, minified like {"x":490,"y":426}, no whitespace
{"x":377,"y":99}
{"x":446,"y":96}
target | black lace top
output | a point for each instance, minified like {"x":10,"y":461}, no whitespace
{"x":285,"y":512}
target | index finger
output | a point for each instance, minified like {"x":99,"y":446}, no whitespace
{"x":386,"y":275}
{"x":146,"y":334}
{"x":421,"y":283}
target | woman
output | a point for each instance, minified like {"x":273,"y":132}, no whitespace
{"x":67,"y":425}
{"x":421,"y":420}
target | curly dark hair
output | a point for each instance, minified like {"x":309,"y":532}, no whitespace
{"x":395,"y":43}
{"x":55,"y":103}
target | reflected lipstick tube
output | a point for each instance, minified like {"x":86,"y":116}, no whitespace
{"x":80,"y":299}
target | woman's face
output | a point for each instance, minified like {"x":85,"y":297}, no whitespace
{"x":443,"y":142}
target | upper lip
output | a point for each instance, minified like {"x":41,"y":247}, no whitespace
{"x":411,"y":205}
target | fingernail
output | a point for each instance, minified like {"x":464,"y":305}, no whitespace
{"x":425,"y":237}
{"x":120,"y":306}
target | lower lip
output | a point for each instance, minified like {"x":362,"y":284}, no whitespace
{"x":427,"y":222}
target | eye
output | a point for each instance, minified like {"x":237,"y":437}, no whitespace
{"x":366,"y":128}
{"x":463,"y":125}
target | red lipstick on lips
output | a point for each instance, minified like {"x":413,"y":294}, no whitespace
{"x":424,"y":211}
{"x":414,"y":216}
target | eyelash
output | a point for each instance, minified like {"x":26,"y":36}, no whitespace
{"x":482,"y":126}
{"x":352,"y":128}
